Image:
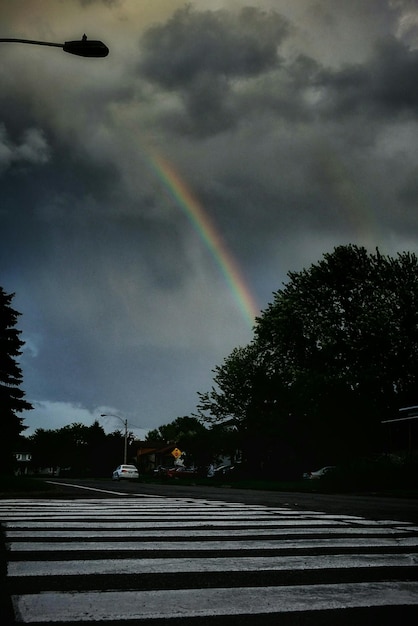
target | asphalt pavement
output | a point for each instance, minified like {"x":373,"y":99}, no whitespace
{"x":99,"y":550}
{"x":371,"y":505}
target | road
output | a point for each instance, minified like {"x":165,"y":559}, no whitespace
{"x":370,"y":505}
{"x":118,"y":553}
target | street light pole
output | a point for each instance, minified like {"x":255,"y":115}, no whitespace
{"x":125,"y":422}
{"x":82,"y":47}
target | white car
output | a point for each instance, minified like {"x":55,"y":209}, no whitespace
{"x":321,"y":472}
{"x":125,"y":471}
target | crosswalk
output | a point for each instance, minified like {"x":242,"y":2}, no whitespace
{"x":152,"y":560}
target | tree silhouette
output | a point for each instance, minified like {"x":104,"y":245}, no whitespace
{"x":333,"y":355}
{"x":11,"y":395}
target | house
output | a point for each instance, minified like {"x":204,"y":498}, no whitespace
{"x":23,"y":461}
{"x":149,"y":455}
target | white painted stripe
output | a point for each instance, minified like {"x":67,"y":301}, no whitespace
{"x":71,"y":511}
{"x":52,"y":482}
{"x":117,"y":493}
{"x":168,"y":504}
{"x":173,"y":517}
{"x":122,"y":502}
{"x":191,"y":532}
{"x":183,"y":546}
{"x":128,"y":524}
{"x":115,"y":605}
{"x":135,"y":504}
{"x":142,"y":506}
{"x":167,"y":510}
{"x":208,"y":564}
{"x":60,"y":518}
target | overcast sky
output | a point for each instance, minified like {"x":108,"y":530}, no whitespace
{"x":151,"y":202}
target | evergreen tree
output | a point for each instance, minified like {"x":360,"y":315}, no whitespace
{"x":11,"y":395}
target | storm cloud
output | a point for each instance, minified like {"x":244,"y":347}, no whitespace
{"x":292,"y":124}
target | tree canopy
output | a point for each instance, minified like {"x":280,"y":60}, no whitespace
{"x":12,"y":400}
{"x":189,"y":435}
{"x":333,"y":355}
{"x":77,"y":448}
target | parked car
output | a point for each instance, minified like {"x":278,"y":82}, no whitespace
{"x":222,"y":470}
{"x":181,"y":472}
{"x":319,"y":473}
{"x":161,"y":470}
{"x":123,"y":472}
{"x":234,"y":472}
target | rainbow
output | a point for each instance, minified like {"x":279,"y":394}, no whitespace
{"x":192,"y":208}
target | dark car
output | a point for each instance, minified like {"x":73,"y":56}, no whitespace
{"x":181,"y":472}
{"x":319,"y":473}
{"x":223,"y":470}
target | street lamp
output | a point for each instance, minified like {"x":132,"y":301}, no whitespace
{"x":125,"y":423}
{"x":82,"y":48}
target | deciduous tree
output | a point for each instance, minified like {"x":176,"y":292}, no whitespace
{"x":190,"y":435}
{"x":333,"y":355}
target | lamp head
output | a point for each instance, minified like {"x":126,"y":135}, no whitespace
{"x":86,"y":48}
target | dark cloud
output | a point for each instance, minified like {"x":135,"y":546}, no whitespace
{"x":109,"y":3}
{"x":226,"y":69}
{"x":218,"y":43}
{"x":200,"y":55}
{"x":293,"y":134}
{"x":31,"y":149}
{"x":386,"y":85}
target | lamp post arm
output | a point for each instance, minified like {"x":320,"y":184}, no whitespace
{"x":40,"y":43}
{"x":83,"y":48}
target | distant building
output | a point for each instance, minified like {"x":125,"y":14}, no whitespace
{"x":23,"y":461}
{"x":150,"y":455}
